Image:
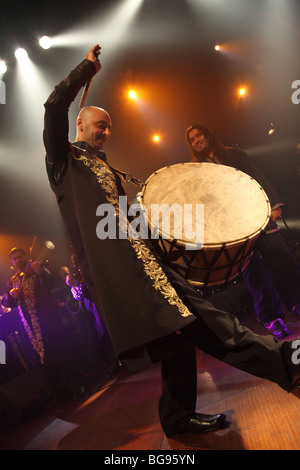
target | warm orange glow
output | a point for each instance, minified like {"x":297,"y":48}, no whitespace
{"x":217,"y":47}
{"x":94,"y":397}
{"x":156,"y":138}
{"x":7,"y":242}
{"x":242,"y":91}
{"x":132,"y":94}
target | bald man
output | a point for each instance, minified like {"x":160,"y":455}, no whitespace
{"x":151,"y":313}
{"x":93,"y":126}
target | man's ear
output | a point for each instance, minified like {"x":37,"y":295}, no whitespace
{"x":79,"y":124}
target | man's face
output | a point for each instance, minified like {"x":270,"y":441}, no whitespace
{"x":197,"y":140}
{"x":18,"y":260}
{"x":95,"y":128}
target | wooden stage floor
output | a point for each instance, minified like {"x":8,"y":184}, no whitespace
{"x":123,"y":414}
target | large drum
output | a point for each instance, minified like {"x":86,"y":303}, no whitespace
{"x":236,"y":210}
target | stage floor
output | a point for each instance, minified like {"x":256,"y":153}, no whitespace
{"x":123,"y":413}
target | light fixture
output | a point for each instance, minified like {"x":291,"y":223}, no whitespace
{"x":3,"y":67}
{"x":49,"y":244}
{"x":271,"y":129}
{"x":132,"y":94}
{"x":45,"y":42}
{"x":21,"y":54}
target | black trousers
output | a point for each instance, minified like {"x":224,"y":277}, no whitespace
{"x":282,"y":266}
{"x":267,"y":304}
{"x":220,"y":335}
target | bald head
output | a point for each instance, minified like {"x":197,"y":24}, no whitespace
{"x":93,"y":126}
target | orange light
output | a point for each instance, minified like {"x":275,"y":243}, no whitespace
{"x":156,"y":138}
{"x":242,"y":91}
{"x":217,"y":47}
{"x":132,"y":94}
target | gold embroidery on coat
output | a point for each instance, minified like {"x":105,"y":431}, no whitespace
{"x":34,"y":331}
{"x":153,"y":270}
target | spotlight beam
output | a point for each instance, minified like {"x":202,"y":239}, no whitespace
{"x":107,"y":31}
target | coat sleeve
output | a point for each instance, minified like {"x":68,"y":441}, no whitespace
{"x":56,"y":123}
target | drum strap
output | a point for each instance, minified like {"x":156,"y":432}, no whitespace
{"x":83,"y":147}
{"x":127,"y":177}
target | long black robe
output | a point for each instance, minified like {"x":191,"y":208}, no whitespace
{"x":126,"y":282}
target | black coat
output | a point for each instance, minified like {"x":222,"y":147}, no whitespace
{"x":125,"y":279}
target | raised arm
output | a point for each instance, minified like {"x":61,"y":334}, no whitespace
{"x":56,"y":125}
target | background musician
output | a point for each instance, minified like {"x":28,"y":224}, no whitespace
{"x":43,"y":335}
{"x":273,"y":274}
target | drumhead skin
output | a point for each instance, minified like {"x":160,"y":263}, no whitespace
{"x":235,"y":205}
{"x":236,"y":210}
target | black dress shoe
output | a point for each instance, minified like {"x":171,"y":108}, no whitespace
{"x":296,"y":391}
{"x":277,"y":328}
{"x":200,"y":423}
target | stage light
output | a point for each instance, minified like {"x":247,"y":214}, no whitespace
{"x":49,"y":244}
{"x":45,"y":42}
{"x":21,"y":55}
{"x":156,"y":138}
{"x":217,"y":47}
{"x":3,"y":67}
{"x":242,"y":91}
{"x":132,"y":95}
{"x":271,"y":129}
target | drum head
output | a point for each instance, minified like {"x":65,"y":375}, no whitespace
{"x":235,"y":205}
